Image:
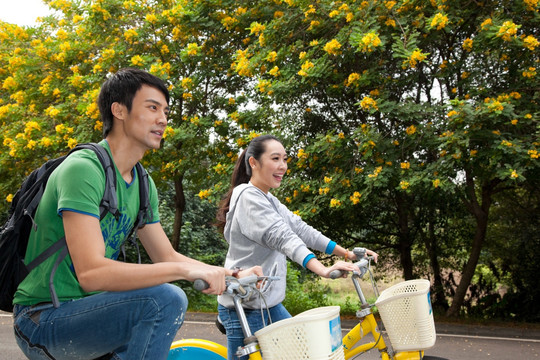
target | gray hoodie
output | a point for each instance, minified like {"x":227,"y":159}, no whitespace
{"x":261,"y":231}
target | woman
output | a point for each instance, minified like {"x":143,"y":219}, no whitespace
{"x":260,"y":230}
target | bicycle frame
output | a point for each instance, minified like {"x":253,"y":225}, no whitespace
{"x":368,"y":325}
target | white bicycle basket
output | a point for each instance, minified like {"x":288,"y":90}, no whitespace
{"x":313,"y":334}
{"x":406,"y":312}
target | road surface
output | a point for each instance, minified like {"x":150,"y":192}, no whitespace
{"x":456,"y":342}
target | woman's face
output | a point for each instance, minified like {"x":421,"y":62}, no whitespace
{"x":268,"y":171}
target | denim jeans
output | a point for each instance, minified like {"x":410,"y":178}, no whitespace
{"x":138,"y":324}
{"x":235,"y":335}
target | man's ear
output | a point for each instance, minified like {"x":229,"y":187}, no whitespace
{"x":118,"y":110}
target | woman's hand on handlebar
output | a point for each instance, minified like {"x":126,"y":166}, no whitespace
{"x":372,"y":253}
{"x":345,"y":268}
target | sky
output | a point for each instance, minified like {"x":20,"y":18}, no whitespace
{"x":22,"y":12}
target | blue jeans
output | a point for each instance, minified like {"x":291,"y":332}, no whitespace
{"x":235,"y":335}
{"x":138,"y":324}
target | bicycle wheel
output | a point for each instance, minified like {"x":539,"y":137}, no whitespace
{"x":196,"y":349}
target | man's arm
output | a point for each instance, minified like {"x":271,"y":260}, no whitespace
{"x":95,"y":272}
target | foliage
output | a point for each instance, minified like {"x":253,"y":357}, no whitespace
{"x":406,"y":121}
{"x":396,"y":110}
{"x":303,"y":295}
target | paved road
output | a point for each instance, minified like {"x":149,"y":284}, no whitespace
{"x":455,"y":342}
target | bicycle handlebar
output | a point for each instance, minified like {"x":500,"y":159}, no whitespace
{"x":235,"y":284}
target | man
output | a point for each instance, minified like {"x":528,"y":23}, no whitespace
{"x":109,"y":308}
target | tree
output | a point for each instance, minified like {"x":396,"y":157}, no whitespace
{"x":392,"y":103}
{"x":53,"y":73}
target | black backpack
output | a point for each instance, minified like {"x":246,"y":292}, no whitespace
{"x":15,"y":232}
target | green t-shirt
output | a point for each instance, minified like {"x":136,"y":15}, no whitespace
{"x":77,"y":185}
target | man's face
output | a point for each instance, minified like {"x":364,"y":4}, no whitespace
{"x":146,"y":121}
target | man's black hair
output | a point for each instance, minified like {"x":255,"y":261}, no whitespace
{"x":121,"y":88}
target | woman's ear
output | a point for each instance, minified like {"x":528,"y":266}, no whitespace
{"x":252,"y":162}
{"x":118,"y":110}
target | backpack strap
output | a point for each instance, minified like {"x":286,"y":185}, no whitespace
{"x":145,"y":211}
{"x":109,"y":202}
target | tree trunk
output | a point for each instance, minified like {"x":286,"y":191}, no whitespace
{"x":480,"y":213}
{"x":180,"y":207}
{"x":430,"y":241}
{"x":404,"y":245}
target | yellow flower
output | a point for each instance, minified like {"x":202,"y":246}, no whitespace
{"x":335,"y":203}
{"x":192,"y":49}
{"x":324,"y":190}
{"x":257,"y":28}
{"x":416,"y":57}
{"x":203,"y":194}
{"x":439,"y":21}
{"x":486,"y":23}
{"x":187,"y":83}
{"x":9,"y":198}
{"x":45,"y":142}
{"x":137,"y":60}
{"x":530,"y":73}
{"x":332,"y":47}
{"x":311,"y":10}
{"x":530,"y":42}
{"x":272,"y":56}
{"x":305,"y":66}
{"x":52,"y":111}
{"x":533,"y":154}
{"x":411,"y":130}
{"x":333,"y":13}
{"x":274,"y":71}
{"x":507,"y":31}
{"x":313,"y":24}
{"x":368,"y":103}
{"x":31,"y":126}
{"x":404,"y":184}
{"x":327,"y":179}
{"x":467,"y":44}
{"x":369,"y":42}
{"x":151,"y":18}
{"x":436,"y":183}
{"x":353,"y":77}
{"x":406,"y":165}
{"x":72,"y":143}
{"x":376,"y":172}
{"x":355,"y":197}
{"x":514,"y":174}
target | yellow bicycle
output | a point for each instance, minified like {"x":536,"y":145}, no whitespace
{"x":294,"y":338}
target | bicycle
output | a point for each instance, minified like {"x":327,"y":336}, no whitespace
{"x":351,"y":346}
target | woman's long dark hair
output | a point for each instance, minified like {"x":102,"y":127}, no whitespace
{"x":242,"y":174}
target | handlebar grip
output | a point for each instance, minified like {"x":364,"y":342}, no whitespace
{"x":334,"y":274}
{"x":200,"y":285}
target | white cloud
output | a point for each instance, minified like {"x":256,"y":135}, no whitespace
{"x":23,"y":12}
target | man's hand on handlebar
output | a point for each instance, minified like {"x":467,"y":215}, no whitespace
{"x":255,"y":270}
